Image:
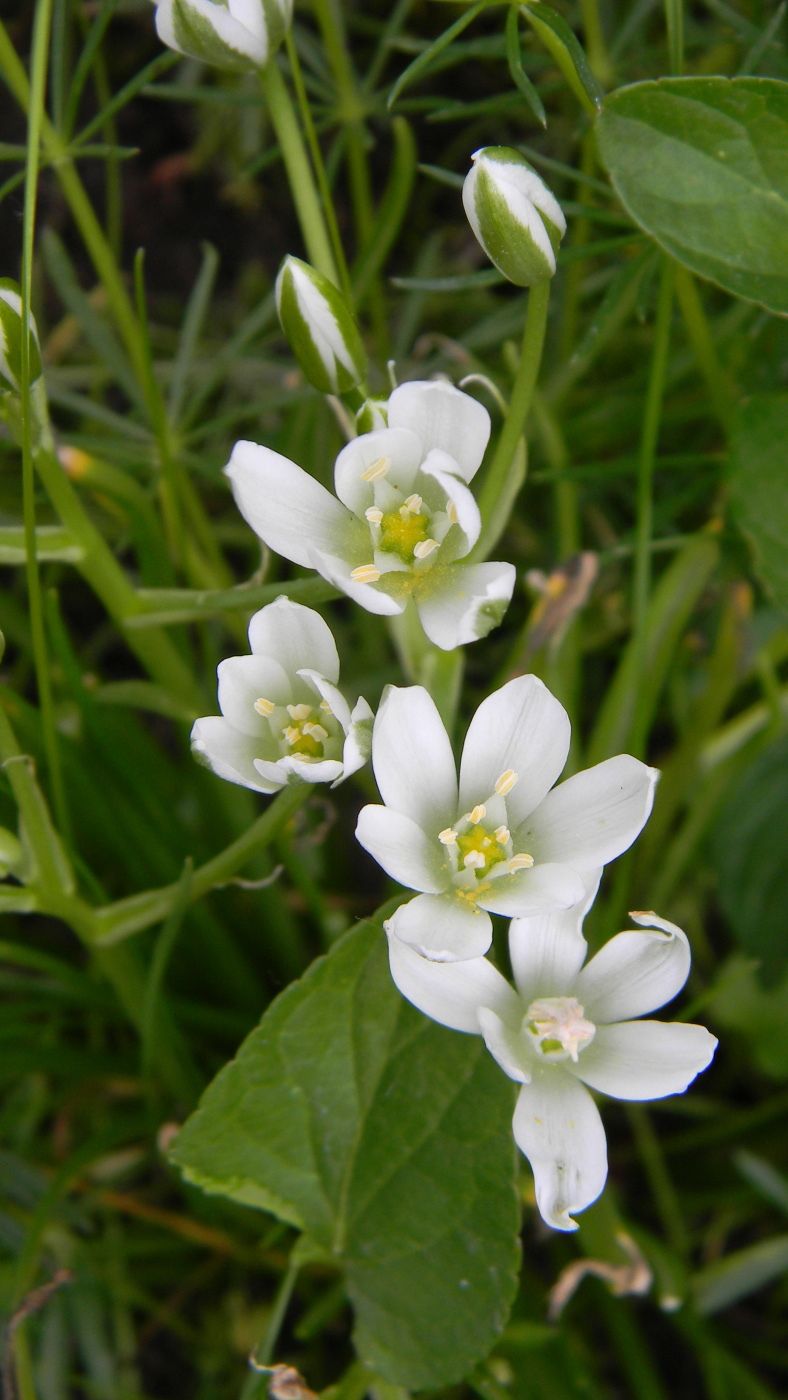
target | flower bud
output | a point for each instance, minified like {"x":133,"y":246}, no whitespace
{"x":372,"y":416}
{"x":321,"y":328}
{"x":11,"y":338}
{"x":239,"y":34}
{"x":515,"y":217}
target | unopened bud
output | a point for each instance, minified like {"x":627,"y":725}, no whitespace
{"x":372,"y":415}
{"x":240,"y":34}
{"x":515,"y":217}
{"x":11,"y":338}
{"x":321,"y":328}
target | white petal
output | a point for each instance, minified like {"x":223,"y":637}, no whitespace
{"x":442,"y":416}
{"x":452,"y":993}
{"x":297,"y":637}
{"x":645,"y":1059}
{"x":244,"y":679}
{"x":403,"y":850}
{"x":463,"y":602}
{"x":413,"y":760}
{"x":442,"y":927}
{"x":358,"y":740}
{"x":230,"y":754}
{"x":367,"y":595}
{"x":635,"y":973}
{"x":290,"y":511}
{"x":442,"y":468}
{"x":234,"y":46}
{"x":523,"y":727}
{"x":534,"y":891}
{"x":504,"y":1040}
{"x":558,"y":1127}
{"x":594,"y":816}
{"x":330,"y":693}
{"x":249,"y":13}
{"x":548,"y":950}
{"x":403,"y":450}
{"x":324,"y":770}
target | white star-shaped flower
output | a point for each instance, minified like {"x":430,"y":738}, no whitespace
{"x":501,"y":841}
{"x":405,"y":519}
{"x":283,"y":719}
{"x":565,"y":1027}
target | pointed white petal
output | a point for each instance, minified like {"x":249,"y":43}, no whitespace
{"x":358,"y":740}
{"x":367,"y":595}
{"x":534,"y":891}
{"x":635,"y":973}
{"x":399,"y":447}
{"x":463,"y":602}
{"x":547,"y":951}
{"x":403,"y":850}
{"x":504,"y":1040}
{"x":594,"y":816}
{"x":442,"y":416}
{"x":520,"y":727}
{"x":328,"y":692}
{"x":452,"y":993}
{"x":413,"y":760}
{"x":244,"y":679}
{"x":558,"y":1127}
{"x":290,"y":511}
{"x":645,"y":1059}
{"x":230,"y":754}
{"x":297,"y":637}
{"x":442,"y":927}
{"x":249,"y":13}
{"x":442,"y":469}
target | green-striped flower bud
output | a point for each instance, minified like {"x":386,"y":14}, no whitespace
{"x":321,"y":328}
{"x":11,"y":338}
{"x":515,"y":217}
{"x":372,"y":416}
{"x":239,"y":34}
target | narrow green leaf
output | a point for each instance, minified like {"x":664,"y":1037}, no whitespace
{"x":737,"y":1275}
{"x":758,"y":487}
{"x":425,"y":58}
{"x":85,"y":62}
{"x":393,"y":208}
{"x":702,"y":165}
{"x":463,"y":282}
{"x":388,"y":1140}
{"x":567,"y":51}
{"x":191,"y":329}
{"x":519,"y":76}
{"x":52,"y":542}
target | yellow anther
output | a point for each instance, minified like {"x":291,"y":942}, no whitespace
{"x":324,"y":705}
{"x":448,"y":837}
{"x":502,"y":834}
{"x":424,"y":548}
{"x":522,"y":861}
{"x":474,"y":861}
{"x":506,"y":782}
{"x":365,"y":573}
{"x":292,"y":734}
{"x":377,"y":470}
{"x":477,"y":814}
{"x":316,"y":731}
{"x":451,"y":511}
{"x":299,"y":712}
{"x":264,"y":707}
{"x":373,"y":515}
{"x":413,"y":504}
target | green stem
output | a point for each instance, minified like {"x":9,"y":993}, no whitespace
{"x":299,"y":173}
{"x":598,"y":60}
{"x":505,"y":458}
{"x":722,"y":392}
{"x":648,"y":447}
{"x":656,"y":1170}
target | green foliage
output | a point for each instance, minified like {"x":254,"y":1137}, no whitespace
{"x":758,"y":486}
{"x":387,"y":1140}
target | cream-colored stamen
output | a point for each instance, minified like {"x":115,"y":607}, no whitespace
{"x":424,"y":548}
{"x":474,"y":861}
{"x":502,"y":834}
{"x":451,"y":511}
{"x":477,"y":814}
{"x":324,"y":705}
{"x":413,"y":504}
{"x":264,"y":707}
{"x":316,"y":731}
{"x":377,"y":470}
{"x":448,"y":837}
{"x":292,"y":734}
{"x":559,"y":1026}
{"x":506,"y":782}
{"x":373,"y":515}
{"x":365,"y":573}
{"x":522,"y":861}
{"x":299,"y":712}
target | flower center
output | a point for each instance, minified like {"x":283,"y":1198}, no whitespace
{"x":557,"y":1028}
{"x":401,"y":533}
{"x":479,"y":845}
{"x":480,"y":849}
{"x":303,"y":734}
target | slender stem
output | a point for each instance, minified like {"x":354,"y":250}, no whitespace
{"x":722,"y":392}
{"x":299,"y":173}
{"x":656,"y":1170}
{"x":522,"y":390}
{"x":598,"y":60}
{"x":648,"y":446}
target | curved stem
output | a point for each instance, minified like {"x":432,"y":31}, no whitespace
{"x":299,"y":173}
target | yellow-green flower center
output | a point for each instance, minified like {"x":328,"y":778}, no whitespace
{"x":401,"y":531}
{"x":483,"y":847}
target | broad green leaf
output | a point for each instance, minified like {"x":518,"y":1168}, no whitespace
{"x":702,"y":165}
{"x":387,"y":1139}
{"x":567,"y":51}
{"x":749,"y":843}
{"x":758,"y":485}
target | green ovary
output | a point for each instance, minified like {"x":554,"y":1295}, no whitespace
{"x":400,"y":536}
{"x":476,"y":840}
{"x":307,"y":746}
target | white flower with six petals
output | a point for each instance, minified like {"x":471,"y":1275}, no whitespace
{"x":568,"y":1026}
{"x":283,"y":719}
{"x":405,"y":519}
{"x":502,"y":842}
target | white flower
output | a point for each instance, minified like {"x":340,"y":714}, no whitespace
{"x":239,"y":34}
{"x":405,"y":518}
{"x":11,"y":338}
{"x":283,"y":719}
{"x":320,"y":327}
{"x":515,"y":217}
{"x":567,"y":1026}
{"x":502,"y":842}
